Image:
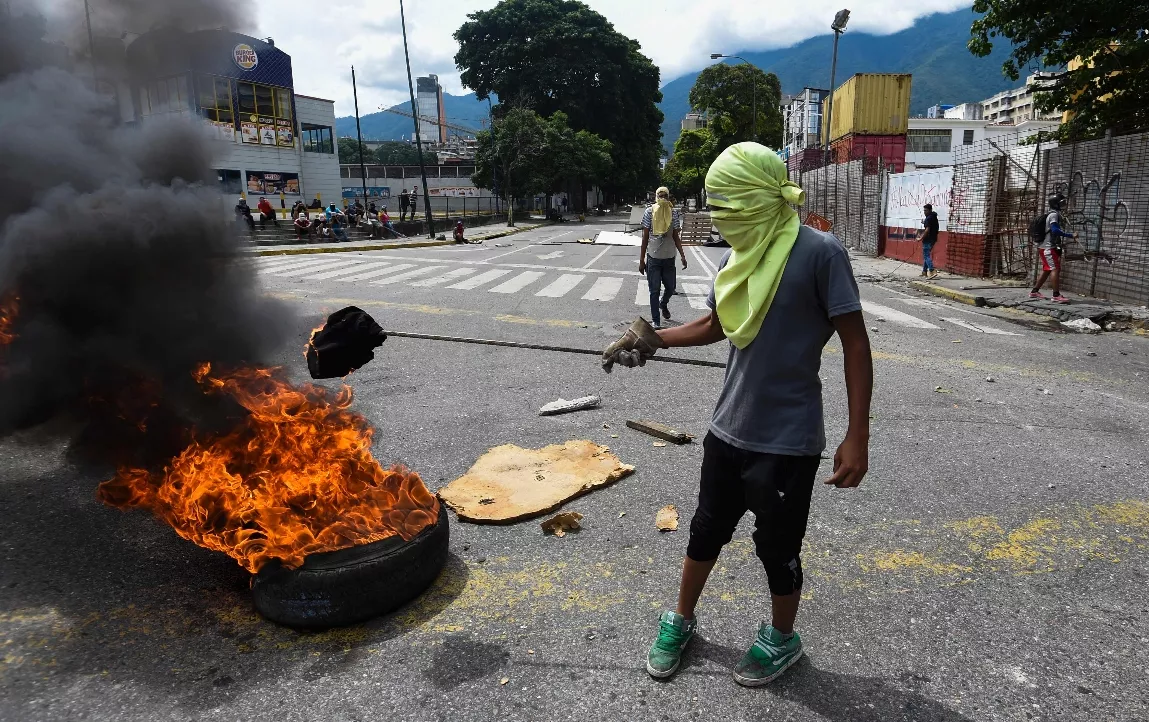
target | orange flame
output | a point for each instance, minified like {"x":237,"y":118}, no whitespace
{"x":9,"y":305}
{"x":295,"y":478}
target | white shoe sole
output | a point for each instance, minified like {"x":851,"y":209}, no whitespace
{"x":755,"y":682}
{"x":662,"y":675}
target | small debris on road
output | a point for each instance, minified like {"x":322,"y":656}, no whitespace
{"x":562,"y":406}
{"x":873,"y":329}
{"x":667,"y":518}
{"x":504,"y":680}
{"x":614,"y":436}
{"x":989,"y":379}
{"x":660,"y":443}
{"x":560,"y":524}
{"x":1082,"y":325}
{"x":956,"y":340}
{"x":1051,"y":486}
{"x":942,"y":390}
{"x":621,"y":514}
{"x":1090,"y":353}
{"x":1047,"y":392}
{"x":662,"y":431}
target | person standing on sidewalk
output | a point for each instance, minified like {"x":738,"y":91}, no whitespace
{"x":404,"y":204}
{"x":782,"y":291}
{"x":661,"y":228}
{"x":1050,"y":251}
{"x":928,"y":235}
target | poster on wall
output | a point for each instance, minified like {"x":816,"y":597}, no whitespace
{"x":454,"y":192}
{"x":224,"y":131}
{"x":249,"y":132}
{"x":272,"y":183}
{"x":267,"y":135}
{"x":911,"y":190}
{"x":284,"y":137}
{"x":372,"y":192}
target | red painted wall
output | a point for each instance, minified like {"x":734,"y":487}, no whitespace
{"x":890,"y":148}
{"x":961,"y":253}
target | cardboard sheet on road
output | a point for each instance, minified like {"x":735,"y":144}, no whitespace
{"x":510,"y":483}
{"x":617,"y":238}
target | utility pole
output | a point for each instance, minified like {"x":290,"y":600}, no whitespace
{"x":91,"y":48}
{"x":359,"y":136}
{"x":415,"y":116}
{"x":839,"y":27}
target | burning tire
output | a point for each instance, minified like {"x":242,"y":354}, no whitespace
{"x":352,"y":585}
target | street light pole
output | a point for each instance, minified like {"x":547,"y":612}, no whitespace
{"x":415,"y":120}
{"x":839,"y":27}
{"x":359,"y":137}
{"x":753,"y":88}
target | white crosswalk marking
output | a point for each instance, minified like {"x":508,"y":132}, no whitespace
{"x":358,"y":267}
{"x":269,"y":262}
{"x":895,"y":316}
{"x":448,"y":276}
{"x":479,"y":280}
{"x":979,"y":327}
{"x":310,"y":269}
{"x":559,"y":288}
{"x":296,"y":263}
{"x":552,"y":254}
{"x":696,"y":294}
{"x":407,"y":275}
{"x":604,"y":289}
{"x":642,"y":295}
{"x":517,"y":283}
{"x":377,"y":273}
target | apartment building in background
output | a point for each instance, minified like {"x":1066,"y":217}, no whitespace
{"x":1016,"y":105}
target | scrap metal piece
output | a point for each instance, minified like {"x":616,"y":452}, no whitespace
{"x":661,"y":431}
{"x":562,"y":406}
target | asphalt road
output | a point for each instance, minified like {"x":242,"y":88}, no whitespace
{"x":991,"y":567}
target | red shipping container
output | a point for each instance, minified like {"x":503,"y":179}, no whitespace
{"x":891,"y":149}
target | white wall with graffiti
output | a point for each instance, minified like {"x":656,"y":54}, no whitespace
{"x":909,"y":191}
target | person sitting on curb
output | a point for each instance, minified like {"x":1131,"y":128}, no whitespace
{"x":762,"y":452}
{"x":266,"y":213}
{"x":302,"y":226}
{"x":243,"y":214}
{"x":1050,"y":251}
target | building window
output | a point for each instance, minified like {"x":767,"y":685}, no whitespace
{"x":967,"y":137}
{"x":264,"y":114}
{"x":317,"y":139}
{"x":169,"y":95}
{"x":928,"y":141}
{"x":214,"y":96}
{"x":230,"y":182}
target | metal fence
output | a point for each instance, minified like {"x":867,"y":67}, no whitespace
{"x":850,"y":196}
{"x":1002,"y":184}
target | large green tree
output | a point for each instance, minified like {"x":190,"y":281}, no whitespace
{"x":559,"y":55}
{"x":510,"y":157}
{"x":1108,"y":38}
{"x":397,"y":152}
{"x":694,"y":151}
{"x":569,"y":155}
{"x":729,"y":95}
{"x":350,"y":151}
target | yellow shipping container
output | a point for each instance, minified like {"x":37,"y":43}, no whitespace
{"x":870,"y":104}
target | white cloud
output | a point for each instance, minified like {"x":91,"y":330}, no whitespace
{"x":325,"y":39}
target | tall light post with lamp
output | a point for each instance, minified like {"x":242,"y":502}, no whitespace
{"x":753,"y":89}
{"x":839,"y":27}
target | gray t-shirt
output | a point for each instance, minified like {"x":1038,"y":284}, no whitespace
{"x":1051,"y":217}
{"x":771,"y":400}
{"x":661,"y":246}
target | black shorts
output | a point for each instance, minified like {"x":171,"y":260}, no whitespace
{"x":775,"y":487}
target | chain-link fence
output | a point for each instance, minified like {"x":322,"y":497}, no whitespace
{"x":849,"y":195}
{"x":1001,"y":184}
{"x":1106,"y":183}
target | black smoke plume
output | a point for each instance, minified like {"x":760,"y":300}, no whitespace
{"x":117,"y":254}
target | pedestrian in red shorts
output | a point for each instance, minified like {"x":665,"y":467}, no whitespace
{"x":1050,"y":251}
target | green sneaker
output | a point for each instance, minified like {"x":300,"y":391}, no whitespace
{"x":771,"y":654}
{"x":674,"y":631}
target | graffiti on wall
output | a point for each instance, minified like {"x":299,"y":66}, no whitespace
{"x":909,"y":191}
{"x":1096,"y":213}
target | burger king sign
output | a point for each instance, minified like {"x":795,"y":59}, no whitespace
{"x":244,"y":56}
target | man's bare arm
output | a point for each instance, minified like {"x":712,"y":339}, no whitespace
{"x":702,"y":331}
{"x":642,"y":251}
{"x":678,"y":245}
{"x":851,"y":462}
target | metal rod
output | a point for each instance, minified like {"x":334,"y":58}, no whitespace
{"x":544,"y":347}
{"x":830,"y":101}
{"x":359,"y":135}
{"x":415,"y":120}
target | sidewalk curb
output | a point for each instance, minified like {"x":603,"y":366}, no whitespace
{"x":344,"y":249}
{"x":959,"y":296}
{"x":380,"y":246}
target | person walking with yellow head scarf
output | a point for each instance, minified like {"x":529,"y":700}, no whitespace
{"x":661,"y":227}
{"x":781,"y":292}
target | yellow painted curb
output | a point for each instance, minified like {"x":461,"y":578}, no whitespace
{"x":959,"y":296}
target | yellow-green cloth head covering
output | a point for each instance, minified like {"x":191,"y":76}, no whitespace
{"x":662,"y":215}
{"x":750,"y":195}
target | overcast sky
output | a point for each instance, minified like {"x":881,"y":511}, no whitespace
{"x":326,"y":38}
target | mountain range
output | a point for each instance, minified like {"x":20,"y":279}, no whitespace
{"x":933,"y":50}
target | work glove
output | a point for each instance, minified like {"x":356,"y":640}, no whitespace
{"x":637,"y":345}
